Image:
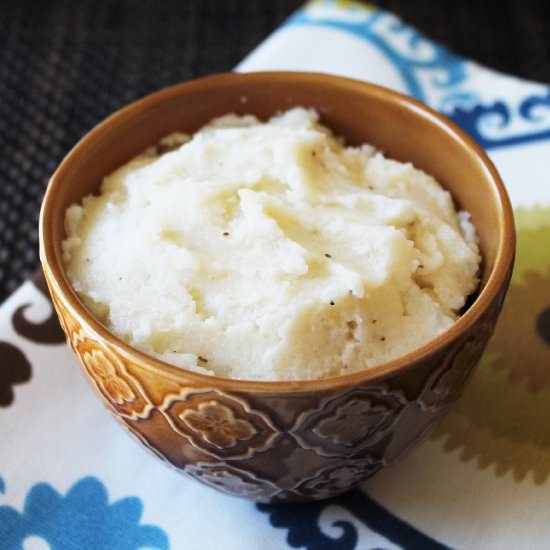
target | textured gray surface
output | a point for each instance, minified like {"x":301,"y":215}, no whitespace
{"x":66,"y":65}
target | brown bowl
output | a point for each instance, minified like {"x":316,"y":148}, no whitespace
{"x":284,"y":440}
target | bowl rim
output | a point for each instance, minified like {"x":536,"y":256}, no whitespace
{"x":62,"y":288}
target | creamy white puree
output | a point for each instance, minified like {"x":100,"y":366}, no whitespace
{"x":271,"y":251}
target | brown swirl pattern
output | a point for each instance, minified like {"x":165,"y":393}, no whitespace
{"x":15,"y":369}
{"x":47,"y":331}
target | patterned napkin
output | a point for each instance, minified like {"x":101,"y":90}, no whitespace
{"x":70,"y":478}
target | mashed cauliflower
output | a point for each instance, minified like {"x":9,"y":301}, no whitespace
{"x":271,"y":251}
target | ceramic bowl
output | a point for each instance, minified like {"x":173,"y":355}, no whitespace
{"x":276,"y":441}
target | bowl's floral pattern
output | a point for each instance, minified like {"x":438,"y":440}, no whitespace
{"x":233,"y":481}
{"x":273,"y":447}
{"x":116,"y":388}
{"x":339,"y":478}
{"x":217,"y":424}
{"x":350,"y":422}
{"x":107,"y":370}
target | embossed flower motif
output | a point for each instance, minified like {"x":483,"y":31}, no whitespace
{"x":350,"y":422}
{"x":221,"y":425}
{"x":106,"y":376}
{"x":232,"y":481}
{"x":366,"y":419}
{"x":339,"y":478}
{"x":217,"y":424}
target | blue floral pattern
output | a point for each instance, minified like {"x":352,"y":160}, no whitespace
{"x":500,"y":115}
{"x":432,"y":74}
{"x":83,"y":518}
{"x":416,"y":53}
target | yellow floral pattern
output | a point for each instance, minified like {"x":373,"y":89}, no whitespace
{"x":502,"y":418}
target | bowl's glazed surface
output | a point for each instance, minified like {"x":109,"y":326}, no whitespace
{"x":284,"y":440}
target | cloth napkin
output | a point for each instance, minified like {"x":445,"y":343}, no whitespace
{"x":70,"y":477}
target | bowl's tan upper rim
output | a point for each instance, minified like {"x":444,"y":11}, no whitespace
{"x":61,"y":286}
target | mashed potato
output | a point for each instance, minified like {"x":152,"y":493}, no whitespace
{"x":271,"y":251}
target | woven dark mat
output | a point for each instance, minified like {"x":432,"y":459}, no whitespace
{"x":65,"y":65}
